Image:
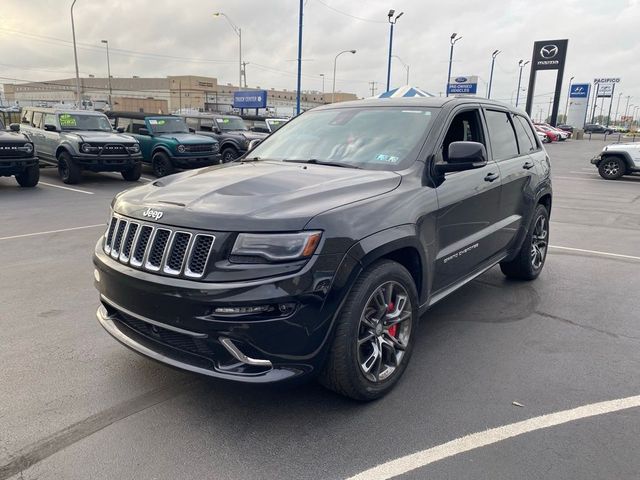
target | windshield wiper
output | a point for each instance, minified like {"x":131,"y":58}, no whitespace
{"x":315,"y":161}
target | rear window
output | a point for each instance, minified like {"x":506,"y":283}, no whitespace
{"x":526,"y":138}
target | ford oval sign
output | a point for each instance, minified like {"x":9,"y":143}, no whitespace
{"x":461,"y":80}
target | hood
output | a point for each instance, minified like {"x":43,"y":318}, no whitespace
{"x":102,"y":137}
{"x":13,"y":137}
{"x":256,"y":196}
{"x":622,"y":146}
{"x":254,"y":135}
{"x":186,"y":138}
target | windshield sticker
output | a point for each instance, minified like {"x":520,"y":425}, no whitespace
{"x":222,"y":120}
{"x":386,"y":158}
{"x":67,"y":120}
{"x":157,"y":122}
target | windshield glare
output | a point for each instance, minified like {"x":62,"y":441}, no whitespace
{"x":230,"y":123}
{"x":168,"y":125}
{"x":381,"y":138}
{"x":275,"y":124}
{"x":78,"y":121}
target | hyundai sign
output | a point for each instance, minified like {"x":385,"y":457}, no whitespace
{"x":463,"y":85}
{"x":579,"y":90}
{"x":250,"y":99}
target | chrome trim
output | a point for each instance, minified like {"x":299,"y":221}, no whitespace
{"x":148,"y":320}
{"x":189,"y":273}
{"x":123,"y":258}
{"x":107,"y":245}
{"x":166,"y":268}
{"x":138,"y":263}
{"x":147,"y":265}
{"x":114,"y":252}
{"x":241,"y":357}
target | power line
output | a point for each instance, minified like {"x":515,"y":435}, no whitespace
{"x":348,"y":14}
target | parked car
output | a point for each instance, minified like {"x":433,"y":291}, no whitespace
{"x":566,"y":128}
{"x":318,"y":252}
{"x":542,"y":136}
{"x":230,"y":130}
{"x":262,"y":124}
{"x":77,"y":140}
{"x":18,"y":156}
{"x":560,"y":135}
{"x":167,"y":143}
{"x":551,"y":135}
{"x":597,"y":128}
{"x":618,"y":159}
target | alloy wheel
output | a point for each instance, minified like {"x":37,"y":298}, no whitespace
{"x":539,"y":242}
{"x":611,"y":168}
{"x":384,"y":331}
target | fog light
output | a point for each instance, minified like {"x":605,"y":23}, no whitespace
{"x":286,"y":308}
{"x":243,"y":310}
{"x":96,"y":274}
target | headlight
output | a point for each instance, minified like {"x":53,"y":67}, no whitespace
{"x":181,"y":149}
{"x":135,"y":148}
{"x":87,"y":148}
{"x":277,"y":247}
{"x":27,"y":148}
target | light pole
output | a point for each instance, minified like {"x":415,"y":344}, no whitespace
{"x":406,"y":67}
{"x":454,"y":38}
{"x":106,"y":42}
{"x":626,"y":109}
{"x":392,"y":22}
{"x":335,"y":62}
{"x":299,"y":79}
{"x":238,"y":32}
{"x":617,"y":107}
{"x":493,"y":61}
{"x":521,"y":64}
{"x":322,"y":75}
{"x":75,"y":56}
{"x":566,"y":107}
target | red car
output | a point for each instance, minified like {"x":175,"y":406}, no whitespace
{"x":553,"y":136}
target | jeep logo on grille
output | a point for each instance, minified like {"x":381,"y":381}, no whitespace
{"x":154,"y":214}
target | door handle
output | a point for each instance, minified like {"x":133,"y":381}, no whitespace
{"x":490,"y":177}
{"x":528,"y":165}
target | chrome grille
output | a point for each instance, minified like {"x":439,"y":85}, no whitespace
{"x":158,"y":248}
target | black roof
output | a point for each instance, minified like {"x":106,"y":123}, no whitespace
{"x":138,"y":115}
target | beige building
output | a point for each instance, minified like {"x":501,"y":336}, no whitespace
{"x":170,"y":94}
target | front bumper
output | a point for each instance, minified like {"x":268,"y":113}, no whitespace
{"x":196,"y":161}
{"x":13,"y":166}
{"x":107,"y":163}
{"x":595,"y":160}
{"x":173,"y":321}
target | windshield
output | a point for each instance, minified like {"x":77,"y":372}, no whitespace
{"x":230,"y":123}
{"x":275,"y":124}
{"x":168,"y":125}
{"x":79,"y":121}
{"x":381,"y":138}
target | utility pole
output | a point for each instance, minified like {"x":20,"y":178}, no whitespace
{"x":106,"y":42}
{"x":373,"y":88}
{"x":299,"y":82}
{"x":244,"y":73}
{"x":75,"y":56}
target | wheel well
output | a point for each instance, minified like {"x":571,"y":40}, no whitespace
{"x":61,"y":149}
{"x":627,"y":161}
{"x":160,"y":149}
{"x":546,"y":201}
{"x":224,"y":146}
{"x":409,"y":258}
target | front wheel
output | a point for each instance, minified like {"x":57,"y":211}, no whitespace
{"x":530,"y":259}
{"x":132,"y":174}
{"x":611,"y":168}
{"x":29,"y":177}
{"x":161,"y":164}
{"x":229,"y":154}
{"x":374,"y":333}
{"x":69,"y":171}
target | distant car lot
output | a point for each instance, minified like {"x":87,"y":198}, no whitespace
{"x":80,"y":406}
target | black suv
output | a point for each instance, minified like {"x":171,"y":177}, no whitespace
{"x":597,"y":128}
{"x":18,"y":156}
{"x":318,"y":252}
{"x":231,"y":131}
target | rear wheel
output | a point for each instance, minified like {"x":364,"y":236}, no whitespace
{"x":374,"y":334}
{"x":132,"y":174}
{"x":68,"y":170}
{"x":161,"y":164}
{"x":530,"y":259}
{"x":29,"y":177}
{"x":611,"y":168}
{"x":229,"y":154}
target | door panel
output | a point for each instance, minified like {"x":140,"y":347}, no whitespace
{"x":50,"y":139}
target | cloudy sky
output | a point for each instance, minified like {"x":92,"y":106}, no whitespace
{"x":168,"y":37}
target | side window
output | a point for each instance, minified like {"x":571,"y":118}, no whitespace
{"x":137,"y":124}
{"x":124,"y":123}
{"x":526,"y":138}
{"x":49,"y":119}
{"x":37,"y":120}
{"x":26,"y":117}
{"x":501,"y":135}
{"x":465,"y":127}
{"x":193,"y":123}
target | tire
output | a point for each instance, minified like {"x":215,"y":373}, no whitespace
{"x":30,"y":177}
{"x":530,"y":259}
{"x":161,"y":164}
{"x":344,"y":370}
{"x":611,"y":168}
{"x":229,"y":154}
{"x":69,"y":171}
{"x":132,"y":174}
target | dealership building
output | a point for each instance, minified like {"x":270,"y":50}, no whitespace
{"x":157,"y":95}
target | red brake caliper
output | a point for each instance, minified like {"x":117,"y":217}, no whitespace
{"x":393,"y":328}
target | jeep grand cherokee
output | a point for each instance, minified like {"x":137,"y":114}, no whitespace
{"x":317,"y":253}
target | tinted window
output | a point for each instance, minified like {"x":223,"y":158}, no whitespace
{"x":49,"y":119}
{"x":193,"y":123}
{"x":26,"y":117}
{"x":37,"y":118}
{"x":465,"y":127}
{"x":501,"y":135}
{"x":124,"y":123}
{"x":168,"y":125}
{"x":81,"y":121}
{"x":136,"y":125}
{"x":526,"y":138}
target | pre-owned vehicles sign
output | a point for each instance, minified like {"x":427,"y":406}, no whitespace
{"x":463,"y":85}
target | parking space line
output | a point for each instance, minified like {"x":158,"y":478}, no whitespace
{"x":473,"y":441}
{"x":66,"y":188}
{"x":595,"y":252}
{"x":53,"y":231}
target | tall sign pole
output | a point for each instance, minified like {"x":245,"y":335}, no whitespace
{"x":548,"y":55}
{"x":613,"y":91}
{"x":299,"y":57}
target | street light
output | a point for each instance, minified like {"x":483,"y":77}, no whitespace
{"x":392,"y":22}
{"x":454,"y":38}
{"x":75,"y":56}
{"x":239,"y":33}
{"x":106,"y":42}
{"x":521,"y":64}
{"x":322,"y":75}
{"x":406,"y":67}
{"x":493,"y":61}
{"x":566,"y":108}
{"x":335,"y":61}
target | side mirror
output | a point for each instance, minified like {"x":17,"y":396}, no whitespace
{"x":120,"y":129}
{"x":14,"y":127}
{"x":464,"y":156}
{"x":192,"y":130}
{"x":50,"y":128}
{"x":254,"y":143}
{"x":216,"y":130}
{"x":143,"y":131}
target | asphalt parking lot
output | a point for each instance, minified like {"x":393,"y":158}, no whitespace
{"x":74,"y":404}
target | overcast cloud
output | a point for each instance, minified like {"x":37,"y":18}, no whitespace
{"x":603,"y":41}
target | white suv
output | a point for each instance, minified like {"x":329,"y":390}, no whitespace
{"x":618,"y":159}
